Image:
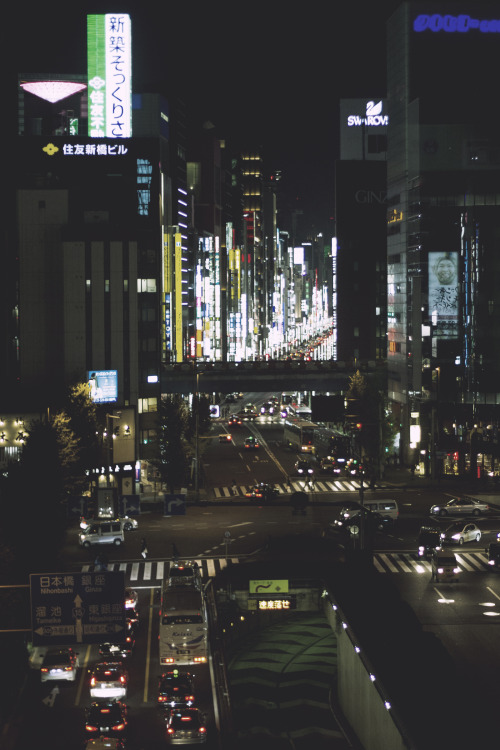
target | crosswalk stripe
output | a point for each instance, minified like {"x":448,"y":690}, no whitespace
{"x":151,"y":571}
{"x":134,"y":575}
{"x":294,"y":485}
{"x":401,"y":562}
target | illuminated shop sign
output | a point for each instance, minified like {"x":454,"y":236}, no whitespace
{"x":461,"y":24}
{"x":373,"y":116}
{"x":443,"y":294}
{"x":289,"y":602}
{"x":86,"y":149}
{"x":109,"y":68}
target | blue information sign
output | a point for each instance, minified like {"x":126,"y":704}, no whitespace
{"x":71,"y":608}
{"x":129,"y":505}
{"x":174,"y":505}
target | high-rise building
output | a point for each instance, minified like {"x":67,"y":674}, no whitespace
{"x":360,"y":219}
{"x":443,"y":225}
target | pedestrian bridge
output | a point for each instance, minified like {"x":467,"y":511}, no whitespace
{"x":271,"y":375}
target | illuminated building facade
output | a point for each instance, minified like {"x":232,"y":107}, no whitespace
{"x":443,"y":227}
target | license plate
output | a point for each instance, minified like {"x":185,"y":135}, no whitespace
{"x":183,"y":652}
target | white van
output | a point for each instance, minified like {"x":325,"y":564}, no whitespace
{"x":103,"y":532}
{"x":386,"y":508}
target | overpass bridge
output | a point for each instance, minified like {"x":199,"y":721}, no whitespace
{"x":263,"y":376}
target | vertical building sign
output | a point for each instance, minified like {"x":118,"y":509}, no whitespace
{"x":178,"y":296}
{"x":109,"y":68}
{"x":443,"y":294}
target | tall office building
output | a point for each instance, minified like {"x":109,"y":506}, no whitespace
{"x":360,"y":217}
{"x":102,"y":237}
{"x":443,"y":177}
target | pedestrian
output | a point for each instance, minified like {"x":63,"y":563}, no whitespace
{"x":233,"y":487}
{"x":144,"y":548}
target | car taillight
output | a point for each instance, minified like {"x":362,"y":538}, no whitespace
{"x":92,"y":681}
{"x":202,"y":730}
{"x":189,"y":698}
{"x":68,"y":669}
{"x":90,"y":728}
{"x":118,"y":727}
{"x":123,"y":680}
{"x":162,"y":699}
{"x":44,"y":669}
{"x":171,"y":731}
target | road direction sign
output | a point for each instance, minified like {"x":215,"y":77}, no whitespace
{"x":174,"y":505}
{"x":129,"y":505}
{"x":69,"y":608}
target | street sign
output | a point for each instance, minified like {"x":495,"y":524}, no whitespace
{"x":77,"y":506}
{"x":69,"y":608}
{"x":129,"y":505}
{"x":174,"y":505}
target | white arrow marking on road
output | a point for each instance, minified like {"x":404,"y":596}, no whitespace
{"x":49,"y":700}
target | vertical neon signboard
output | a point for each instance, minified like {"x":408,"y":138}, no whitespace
{"x":109,"y":70}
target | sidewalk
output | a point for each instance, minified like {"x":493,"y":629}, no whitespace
{"x":402,"y":478}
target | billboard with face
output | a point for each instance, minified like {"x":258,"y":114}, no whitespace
{"x":443,"y":293}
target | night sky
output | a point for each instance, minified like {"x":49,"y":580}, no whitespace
{"x":268,"y":72}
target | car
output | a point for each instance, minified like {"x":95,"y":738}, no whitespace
{"x":444,"y":566}
{"x":373,"y":522}
{"x":493,"y":552}
{"x":59,"y":664}
{"x":429,"y":540}
{"x":109,"y":680}
{"x":267,"y":408}
{"x":235,"y":421}
{"x":303,"y":467}
{"x":131,"y":598}
{"x":132,"y":618}
{"x":186,"y":726}
{"x":225,"y":437}
{"x":330,"y":466}
{"x":250,"y":409}
{"x":129,"y":524}
{"x":106,"y":718}
{"x":262,"y":491}
{"x":251,"y":443}
{"x":111,"y":651}
{"x":184,"y":574}
{"x":460,"y":505}
{"x":459,"y":533}
{"x":105,"y":743}
{"x":175,"y":689}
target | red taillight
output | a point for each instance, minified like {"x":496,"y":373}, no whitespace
{"x":202,"y":730}
{"x":161,"y":699}
{"x":92,"y":681}
{"x":91,"y":729}
{"x":118,"y":727}
{"x":68,"y":669}
{"x":171,"y":731}
{"x":44,"y":669}
{"x":189,"y":698}
{"x":105,"y":711}
{"x":123,"y":680}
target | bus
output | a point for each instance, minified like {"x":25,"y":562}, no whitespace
{"x":298,"y":434}
{"x":183,"y":636}
{"x":332,"y":444}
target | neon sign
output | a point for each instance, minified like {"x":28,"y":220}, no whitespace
{"x":372,"y":118}
{"x":461,"y":24}
{"x":86,"y":149}
{"x":109,"y":68}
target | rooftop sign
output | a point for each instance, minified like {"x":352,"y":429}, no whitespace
{"x":109,"y":68}
{"x":461,"y":24}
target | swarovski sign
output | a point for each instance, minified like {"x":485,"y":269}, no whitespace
{"x":373,"y":116}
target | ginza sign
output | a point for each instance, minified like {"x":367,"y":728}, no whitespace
{"x":372,"y":118}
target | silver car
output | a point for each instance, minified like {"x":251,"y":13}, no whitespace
{"x":466,"y":506}
{"x":459,"y":533}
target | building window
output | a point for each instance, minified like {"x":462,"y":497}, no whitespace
{"x":146,"y":285}
{"x":146,"y":405}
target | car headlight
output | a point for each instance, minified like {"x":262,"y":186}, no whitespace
{"x":456,"y":536}
{"x":435,"y":509}
{"x":456,"y":571}
{"x":491,"y":562}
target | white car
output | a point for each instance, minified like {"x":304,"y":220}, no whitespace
{"x":109,"y":680}
{"x":459,"y":533}
{"x":460,"y":506}
{"x":131,"y":599}
{"x":59,"y":664}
